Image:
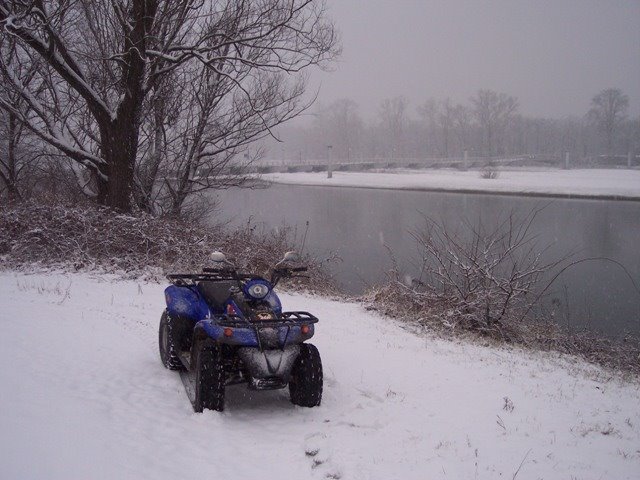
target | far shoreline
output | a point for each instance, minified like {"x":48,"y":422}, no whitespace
{"x":564,"y":196}
{"x":575,"y":184}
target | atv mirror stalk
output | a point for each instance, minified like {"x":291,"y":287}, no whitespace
{"x":286,"y":266}
{"x":289,"y":257}
{"x":219,"y":261}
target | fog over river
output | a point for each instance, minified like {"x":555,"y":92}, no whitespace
{"x":357,"y":223}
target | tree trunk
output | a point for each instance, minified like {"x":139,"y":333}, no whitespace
{"x":148,"y":172}
{"x":12,"y":167}
{"x":120,"y":178}
{"x":120,"y":145}
{"x":489,"y":141}
{"x":446,"y":141}
{"x":610,"y":140}
{"x":120,"y":137}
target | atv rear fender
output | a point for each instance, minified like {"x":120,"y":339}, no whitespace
{"x":186,"y":302}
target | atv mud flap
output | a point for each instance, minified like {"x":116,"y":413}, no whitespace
{"x":189,"y":381}
{"x":269,"y":369}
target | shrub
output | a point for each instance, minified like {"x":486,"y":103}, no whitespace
{"x":484,"y":279}
{"x":84,"y":237}
{"x":488,"y":173}
{"x":487,"y":282}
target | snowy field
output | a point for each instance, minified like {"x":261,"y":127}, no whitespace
{"x":84,"y":396}
{"x":586,"y":182}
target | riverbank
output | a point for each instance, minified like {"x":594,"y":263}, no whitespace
{"x":605,"y":184}
{"x":85,"y":395}
{"x":85,"y":237}
{"x":90,"y":239}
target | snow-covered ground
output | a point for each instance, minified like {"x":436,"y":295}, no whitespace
{"x":584,"y":182}
{"x":84,"y":396}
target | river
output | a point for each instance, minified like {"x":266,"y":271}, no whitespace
{"x":356,"y":224}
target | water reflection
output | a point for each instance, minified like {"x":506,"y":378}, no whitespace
{"x":356,"y":224}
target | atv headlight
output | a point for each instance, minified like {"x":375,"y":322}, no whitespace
{"x":258,"y":291}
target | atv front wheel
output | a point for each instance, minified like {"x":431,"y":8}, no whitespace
{"x":167,"y":343}
{"x":209,"y":386}
{"x":305,"y":386}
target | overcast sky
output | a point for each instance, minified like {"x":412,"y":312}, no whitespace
{"x":552,"y":55}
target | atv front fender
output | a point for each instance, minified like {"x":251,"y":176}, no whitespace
{"x":240,"y":336}
{"x":243,"y":335}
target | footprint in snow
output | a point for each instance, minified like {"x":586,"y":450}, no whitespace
{"x":318,"y":451}
{"x":370,"y":395}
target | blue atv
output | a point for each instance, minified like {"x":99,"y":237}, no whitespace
{"x":222,"y":327}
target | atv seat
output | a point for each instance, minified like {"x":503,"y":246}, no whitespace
{"x":216,"y":293}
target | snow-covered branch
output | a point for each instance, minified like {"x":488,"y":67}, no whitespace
{"x":103,"y":62}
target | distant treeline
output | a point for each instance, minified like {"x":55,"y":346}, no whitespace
{"x":489,"y":125}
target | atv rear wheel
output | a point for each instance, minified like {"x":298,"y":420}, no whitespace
{"x":167,"y":343}
{"x":305,"y":386}
{"x":209,"y":384}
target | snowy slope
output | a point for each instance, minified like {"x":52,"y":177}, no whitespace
{"x":85,"y":396}
{"x":585,"y":182}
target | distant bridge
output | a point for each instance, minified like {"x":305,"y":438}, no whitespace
{"x":371,"y":164}
{"x":351,"y":165}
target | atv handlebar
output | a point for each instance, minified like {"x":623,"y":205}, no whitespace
{"x":279,"y":273}
{"x":217,"y":274}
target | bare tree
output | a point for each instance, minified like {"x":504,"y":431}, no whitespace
{"x":632,"y":135}
{"x":438,"y":120}
{"x":491,"y":126}
{"x":493,"y":112}
{"x":9,"y":161}
{"x":18,"y":159}
{"x":339,"y":124}
{"x":429,"y":112}
{"x":446,"y":119}
{"x":608,"y":112}
{"x":103,"y":60}
{"x":17,"y":156}
{"x":462,"y":118}
{"x":393,"y":116}
{"x":198,"y":134}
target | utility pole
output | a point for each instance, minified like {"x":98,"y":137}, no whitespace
{"x":329,"y":161}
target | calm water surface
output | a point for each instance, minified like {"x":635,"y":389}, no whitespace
{"x":355,"y":224}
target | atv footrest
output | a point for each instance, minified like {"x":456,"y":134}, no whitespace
{"x":270,"y":383}
{"x":188,"y":380}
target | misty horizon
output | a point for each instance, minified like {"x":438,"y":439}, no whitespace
{"x":552,"y":56}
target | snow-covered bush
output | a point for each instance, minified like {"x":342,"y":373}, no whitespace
{"x":489,"y":173}
{"x":478,"y":278}
{"x":84,"y":237}
{"x":487,"y":281}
